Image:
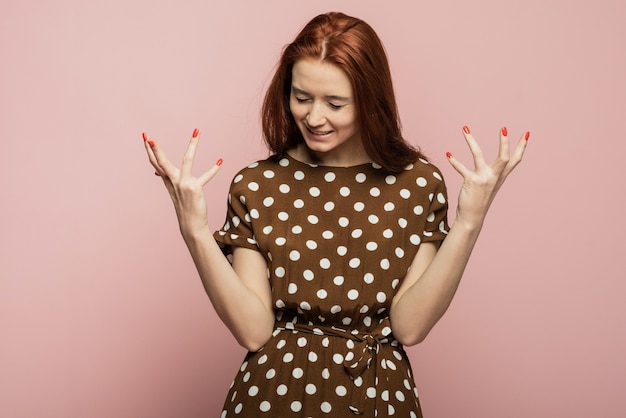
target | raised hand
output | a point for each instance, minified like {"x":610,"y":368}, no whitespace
{"x":185,"y":190}
{"x":481,"y":185}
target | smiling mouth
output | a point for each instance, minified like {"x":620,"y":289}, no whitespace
{"x":320,"y":133}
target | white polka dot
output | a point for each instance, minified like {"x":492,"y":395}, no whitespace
{"x":437,"y":176}
{"x":371,"y":393}
{"x":431,"y":217}
{"x":441,"y":198}
{"x":385,"y":396}
{"x":381,"y":297}
{"x":280,"y":241}
{"x":310,"y":389}
{"x":373,"y":219}
{"x":238,"y":408}
{"x":267,"y":230}
{"x":328,"y":206}
{"x":262,"y":359}
{"x":279,"y":272}
{"x":294,"y":255}
{"x":312,"y":357}
{"x":329,"y":177}
{"x":374,"y":192}
{"x":298,"y":203}
{"x":368,"y":278}
{"x":354,"y":263}
{"x":288,"y":358}
{"x":387,"y":233}
{"x":395,"y":283}
{"x":403,"y":223}
{"x":265,"y":406}
{"x":283,"y":216}
{"x":253,"y":390}
{"x":360,"y":178}
{"x":337,"y":358}
{"x":357,"y":233}
{"x":314,"y":191}
{"x":270,"y":374}
{"x":268,"y":201}
{"x":384,"y":264}
{"x":338,"y":280}
{"x":344,"y":191}
{"x":359,"y":206}
{"x":301,"y":342}
{"x":298,"y":175}
{"x":386,"y":331}
{"x":389,"y":207}
{"x":268,"y":174}
{"x":415,"y":239}
{"x":284,"y":188}
{"x":246,"y":377}
{"x":325,"y":372}
{"x":297,"y":373}
{"x":305,"y":306}
{"x":391,"y":410}
{"x":353,"y":294}
{"x":253,"y":186}
{"x":308,"y":275}
{"x":237,"y":178}
{"x":343,"y":221}
{"x":325,"y":263}
{"x":367,"y":321}
{"x":326,"y":407}
{"x":405,"y":194}
{"x":341,"y":390}
{"x":400,"y":396}
{"x":346,"y":321}
{"x":418,"y":210}
{"x":281,"y":390}
{"x":283,"y":162}
{"x":313,"y":219}
{"x":335,"y":309}
{"x":371,"y":246}
{"x":390,"y":179}
{"x":364,"y":309}
{"x":421,"y":181}
{"x":296,"y":406}
{"x":322,"y":294}
{"x":292,"y":288}
{"x":327,"y":234}
{"x":311,"y":245}
{"x":341,"y":250}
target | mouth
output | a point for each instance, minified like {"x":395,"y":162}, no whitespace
{"x":318,"y":133}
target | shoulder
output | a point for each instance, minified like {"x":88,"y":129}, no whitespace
{"x":421,"y":173}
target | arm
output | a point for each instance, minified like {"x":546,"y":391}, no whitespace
{"x":239,"y":292}
{"x":435,"y":273}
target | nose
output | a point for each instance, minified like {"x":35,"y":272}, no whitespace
{"x":316,"y":115}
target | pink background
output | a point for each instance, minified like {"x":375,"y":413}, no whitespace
{"x":101,"y":312}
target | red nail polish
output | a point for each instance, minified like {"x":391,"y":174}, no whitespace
{"x":449,"y":155}
{"x":157,"y":174}
{"x":504,"y":131}
{"x":466,"y":130}
{"x":527,"y":136}
{"x":195,"y":133}
{"x":219,"y":162}
{"x":151,"y":143}
{"x":145,"y":137}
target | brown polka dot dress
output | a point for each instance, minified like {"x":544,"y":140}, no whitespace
{"x":338,"y":242}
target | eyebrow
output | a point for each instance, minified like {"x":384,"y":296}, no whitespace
{"x":330,"y":97}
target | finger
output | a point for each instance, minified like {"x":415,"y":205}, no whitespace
{"x":518,"y":153}
{"x":503,"y":151}
{"x":158,"y":159}
{"x":209,"y":174}
{"x":185,"y":169}
{"x":477,"y":153}
{"x":457,"y":165}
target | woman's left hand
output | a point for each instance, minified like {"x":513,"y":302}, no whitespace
{"x":481,"y":185}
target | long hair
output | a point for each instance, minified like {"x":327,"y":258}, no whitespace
{"x":353,"y":46}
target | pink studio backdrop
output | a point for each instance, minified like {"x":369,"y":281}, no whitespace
{"x":101,"y":312}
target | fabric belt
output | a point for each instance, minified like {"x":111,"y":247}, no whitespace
{"x":360,"y":361}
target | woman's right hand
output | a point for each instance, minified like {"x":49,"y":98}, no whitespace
{"x":185,"y":190}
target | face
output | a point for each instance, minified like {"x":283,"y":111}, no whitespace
{"x":322,"y":104}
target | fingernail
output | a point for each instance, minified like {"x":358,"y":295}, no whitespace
{"x":219,"y":162}
{"x":195,"y":133}
{"x":466,"y":130}
{"x":157,"y":174}
{"x":527,"y":136}
{"x":145,"y":137}
{"x":504,"y":131}
{"x":151,"y":143}
{"x":449,"y":155}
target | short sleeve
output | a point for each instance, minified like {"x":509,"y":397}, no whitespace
{"x":237,"y":230}
{"x":436,"y":227}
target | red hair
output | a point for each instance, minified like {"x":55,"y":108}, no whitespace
{"x":352,"y":45}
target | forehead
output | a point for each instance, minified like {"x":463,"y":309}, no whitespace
{"x":320,"y":78}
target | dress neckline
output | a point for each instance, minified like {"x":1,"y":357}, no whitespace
{"x":368,"y":164}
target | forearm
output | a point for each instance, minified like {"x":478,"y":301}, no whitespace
{"x":419,"y":308}
{"x":242,"y":310}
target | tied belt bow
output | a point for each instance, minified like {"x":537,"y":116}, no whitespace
{"x":359,"y":362}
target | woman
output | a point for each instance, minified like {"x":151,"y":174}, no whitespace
{"x":337,"y":240}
